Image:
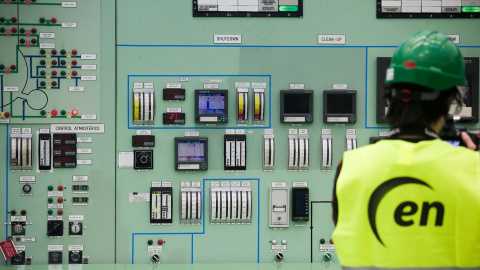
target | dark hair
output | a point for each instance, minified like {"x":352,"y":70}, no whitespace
{"x":403,"y":114}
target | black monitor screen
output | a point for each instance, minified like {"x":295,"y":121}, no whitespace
{"x":211,"y":103}
{"x":191,"y":151}
{"x":296,"y":103}
{"x":340,"y":103}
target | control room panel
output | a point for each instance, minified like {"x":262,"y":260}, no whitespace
{"x":196,"y":131}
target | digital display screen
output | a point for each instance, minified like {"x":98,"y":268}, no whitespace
{"x":248,"y":8}
{"x":428,"y":9}
{"x":340,"y":103}
{"x":296,"y":103}
{"x":173,"y":94}
{"x":173,"y":118}
{"x":211,"y":103}
{"x":299,"y":203}
{"x":191,"y":151}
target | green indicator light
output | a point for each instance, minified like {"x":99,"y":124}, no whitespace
{"x":470,"y":9}
{"x":288,"y":8}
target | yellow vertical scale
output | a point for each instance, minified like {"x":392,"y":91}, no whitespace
{"x":240,"y":105}
{"x":257,"y":106}
{"x":136,"y":107}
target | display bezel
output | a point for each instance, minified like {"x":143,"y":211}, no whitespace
{"x":202,"y":165}
{"x":327,"y":116}
{"x":221,"y":117}
{"x":284,"y":115}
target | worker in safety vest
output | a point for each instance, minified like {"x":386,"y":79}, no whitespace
{"x":412,"y":200}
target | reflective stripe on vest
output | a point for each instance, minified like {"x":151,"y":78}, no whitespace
{"x":404,"y":205}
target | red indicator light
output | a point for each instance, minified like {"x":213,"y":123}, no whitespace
{"x":74,"y":73}
{"x":33,"y":31}
{"x":53,"y":20}
{"x":54,"y":112}
{"x":60,"y":187}
{"x":54,"y":83}
{"x":74,"y":52}
{"x":54,"y":72}
{"x":14,"y":30}
{"x":74,"y":112}
{"x":33,"y":41}
{"x":54,"y":62}
{"x":60,"y":200}
{"x":13,"y":67}
{"x":60,"y":212}
{"x":23,"y":212}
{"x":74,"y":62}
{"x":6,"y":114}
{"x":160,"y":242}
{"x":14,"y":20}
{"x":331,"y":241}
{"x":54,"y":51}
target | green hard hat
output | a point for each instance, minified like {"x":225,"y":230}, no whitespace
{"x":429,"y":59}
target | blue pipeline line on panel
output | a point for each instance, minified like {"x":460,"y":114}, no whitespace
{"x":267,"y":46}
{"x":196,"y":75}
{"x":203,"y":219}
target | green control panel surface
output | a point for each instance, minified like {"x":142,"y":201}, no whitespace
{"x":148,"y":133}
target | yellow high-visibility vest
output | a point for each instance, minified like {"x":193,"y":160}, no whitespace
{"x":404,"y":205}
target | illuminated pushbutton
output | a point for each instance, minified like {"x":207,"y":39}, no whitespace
{"x":160,"y":242}
{"x":60,"y":212}
{"x":13,"y":67}
{"x":42,"y":51}
{"x":74,"y":73}
{"x":43,"y":112}
{"x":74,"y":52}
{"x":63,"y":52}
{"x":322,"y":241}
{"x":54,"y":62}
{"x":22,"y":30}
{"x":74,"y":112}
{"x":22,"y":41}
{"x":54,"y":83}
{"x":6,"y":114}
{"x":14,"y":30}
{"x":63,"y":112}
{"x":54,"y":52}
{"x":60,"y":188}
{"x":54,"y":112}
{"x":63,"y":62}
{"x":33,"y":41}
{"x":2,"y":67}
{"x":42,"y":20}
{"x":42,"y":84}
{"x":53,"y":20}
{"x":54,"y":73}
{"x":13,"y":20}
{"x":63,"y":73}
{"x":50,"y":188}
{"x":60,"y":200}
{"x":13,"y":212}
{"x":50,"y":211}
{"x":150,"y":242}
{"x":33,"y":31}
{"x":50,"y":200}
{"x":74,"y":62}
{"x":42,"y":62}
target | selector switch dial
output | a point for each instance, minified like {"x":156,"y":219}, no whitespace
{"x":27,"y":188}
{"x":75,"y":228}
{"x":155,"y":258}
{"x":279,"y":256}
